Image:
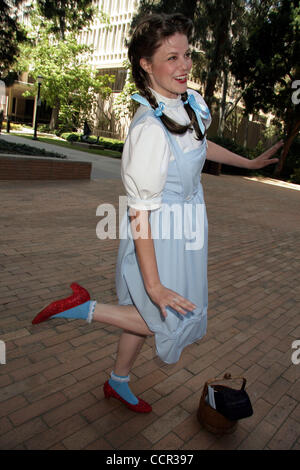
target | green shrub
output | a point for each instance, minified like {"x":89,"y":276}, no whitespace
{"x":292,"y":163}
{"x":44,"y":128}
{"x":70,"y":136}
{"x":23,"y":149}
{"x":295,"y":177}
{"x":291,"y":166}
{"x":111,"y":144}
{"x":15,"y":126}
{"x":291,"y":170}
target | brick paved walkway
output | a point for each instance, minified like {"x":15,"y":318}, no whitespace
{"x":51,"y":386}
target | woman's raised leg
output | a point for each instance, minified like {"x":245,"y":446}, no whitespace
{"x":79,"y":305}
{"x":126,"y":317}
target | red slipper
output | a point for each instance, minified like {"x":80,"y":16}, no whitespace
{"x":79,"y":296}
{"x":141,"y":407}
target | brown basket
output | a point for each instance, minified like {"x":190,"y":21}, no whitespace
{"x":210,"y":418}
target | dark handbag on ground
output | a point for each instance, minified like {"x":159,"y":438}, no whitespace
{"x":231,"y":403}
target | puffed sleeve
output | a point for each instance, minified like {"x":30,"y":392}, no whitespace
{"x":145,"y":162}
{"x":201,"y":101}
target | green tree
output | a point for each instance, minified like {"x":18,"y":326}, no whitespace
{"x":123,"y":105}
{"x":12,"y":34}
{"x":64,"y":16}
{"x":266,"y":66}
{"x":70,"y":85}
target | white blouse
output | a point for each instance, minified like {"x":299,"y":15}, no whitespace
{"x":146,"y":152}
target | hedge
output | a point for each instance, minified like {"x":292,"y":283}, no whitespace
{"x":112,"y":144}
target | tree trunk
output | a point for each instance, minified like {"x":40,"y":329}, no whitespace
{"x":285,"y":150}
{"x":233,"y":106}
{"x":62,"y":27}
{"x":54,"y":118}
{"x":246,"y":130}
{"x":222,"y":109}
{"x":217,"y":62}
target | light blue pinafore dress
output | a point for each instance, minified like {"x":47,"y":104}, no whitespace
{"x":179,"y":231}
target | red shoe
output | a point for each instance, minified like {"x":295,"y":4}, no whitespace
{"x":79,"y":296}
{"x":141,"y":407}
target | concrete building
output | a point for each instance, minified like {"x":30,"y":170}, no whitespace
{"x":108,"y":40}
{"x":110,"y":54}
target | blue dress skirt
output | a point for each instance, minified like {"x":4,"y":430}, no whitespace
{"x":179,"y":231}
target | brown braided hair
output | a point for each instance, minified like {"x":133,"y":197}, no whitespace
{"x":148,"y":36}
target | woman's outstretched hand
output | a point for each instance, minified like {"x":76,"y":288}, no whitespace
{"x":163,"y":297}
{"x":265,"y":158}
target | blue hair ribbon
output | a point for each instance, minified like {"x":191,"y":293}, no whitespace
{"x":140,"y":99}
{"x":200,"y":110}
{"x":159,"y":110}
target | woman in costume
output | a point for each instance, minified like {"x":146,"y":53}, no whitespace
{"x":161,"y":275}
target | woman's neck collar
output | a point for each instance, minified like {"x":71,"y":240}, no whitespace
{"x":170,"y":102}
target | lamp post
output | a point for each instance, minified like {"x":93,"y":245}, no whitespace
{"x":37,"y":106}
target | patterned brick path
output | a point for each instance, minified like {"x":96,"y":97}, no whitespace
{"x":51,"y":386}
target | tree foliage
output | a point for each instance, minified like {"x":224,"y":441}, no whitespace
{"x":64,"y":16}
{"x":266,"y":65}
{"x":123,"y":105}
{"x":60,"y":16}
{"x":70,"y":85}
{"x":12,"y":34}
{"x":256,"y":42}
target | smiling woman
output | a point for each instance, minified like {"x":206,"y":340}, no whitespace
{"x":161,"y":60}
{"x":169,"y":66}
{"x":161,"y":281}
